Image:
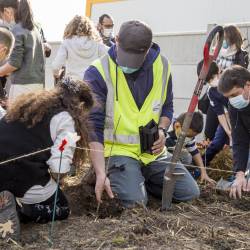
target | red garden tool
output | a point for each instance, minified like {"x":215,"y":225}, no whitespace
{"x":209,"y":55}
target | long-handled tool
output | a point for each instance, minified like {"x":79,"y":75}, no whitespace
{"x":209,"y":56}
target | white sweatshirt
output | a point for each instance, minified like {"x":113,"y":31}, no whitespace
{"x":77,"y":53}
{"x":62,"y":126}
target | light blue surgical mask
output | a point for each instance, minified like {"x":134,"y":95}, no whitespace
{"x":239,"y":102}
{"x":128,"y":70}
{"x":225,"y":44}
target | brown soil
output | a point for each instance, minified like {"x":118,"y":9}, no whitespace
{"x":212,"y":222}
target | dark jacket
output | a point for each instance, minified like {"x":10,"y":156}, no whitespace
{"x":20,"y":175}
{"x":27,"y":56}
{"x":242,"y":58}
{"x":240,"y":122}
{"x":217,"y":101}
{"x":140,"y":84}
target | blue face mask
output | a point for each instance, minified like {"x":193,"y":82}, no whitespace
{"x":239,"y":102}
{"x":128,"y":70}
{"x":225,"y":44}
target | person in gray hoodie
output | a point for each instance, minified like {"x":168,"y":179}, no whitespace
{"x":80,"y":47}
{"x":26,"y":64}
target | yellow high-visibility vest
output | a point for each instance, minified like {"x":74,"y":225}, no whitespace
{"x":123,"y":118}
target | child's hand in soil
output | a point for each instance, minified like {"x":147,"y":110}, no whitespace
{"x":205,"y":178}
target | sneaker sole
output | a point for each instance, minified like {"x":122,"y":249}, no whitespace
{"x":9,"y":221}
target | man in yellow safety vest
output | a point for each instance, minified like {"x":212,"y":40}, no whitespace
{"x":133,"y":89}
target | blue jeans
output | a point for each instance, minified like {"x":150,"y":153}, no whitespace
{"x":131,"y":180}
{"x":217,"y":144}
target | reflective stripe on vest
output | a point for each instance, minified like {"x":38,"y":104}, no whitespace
{"x":124,"y":138}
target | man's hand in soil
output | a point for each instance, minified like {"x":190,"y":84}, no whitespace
{"x":159,"y":144}
{"x":240,"y":183}
{"x":205,"y":178}
{"x":102,"y":183}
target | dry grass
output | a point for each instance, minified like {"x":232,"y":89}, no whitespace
{"x":211,"y":222}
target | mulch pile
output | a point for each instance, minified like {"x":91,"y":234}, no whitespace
{"x":223,"y":160}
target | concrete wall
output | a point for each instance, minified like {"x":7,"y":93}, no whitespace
{"x":177,"y":15}
{"x":184,"y":50}
{"x":184,"y":18}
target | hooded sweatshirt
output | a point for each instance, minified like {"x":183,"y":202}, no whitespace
{"x":140,"y":84}
{"x":77,"y":53}
{"x":232,"y":56}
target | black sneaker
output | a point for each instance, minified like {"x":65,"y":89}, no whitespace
{"x":9,"y":221}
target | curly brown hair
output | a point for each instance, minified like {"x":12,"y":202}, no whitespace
{"x":81,"y":26}
{"x":31,"y":108}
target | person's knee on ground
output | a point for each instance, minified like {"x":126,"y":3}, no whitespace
{"x":127,"y":181}
{"x":43,"y":212}
{"x":135,"y":201}
{"x":186,"y":188}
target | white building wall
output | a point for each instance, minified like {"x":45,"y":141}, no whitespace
{"x":183,"y":49}
{"x":177,"y":15}
{"x":180,"y":29}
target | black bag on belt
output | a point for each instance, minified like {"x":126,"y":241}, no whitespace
{"x":148,"y":135}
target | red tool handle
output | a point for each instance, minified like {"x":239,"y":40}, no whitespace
{"x":170,"y":177}
{"x":207,"y":58}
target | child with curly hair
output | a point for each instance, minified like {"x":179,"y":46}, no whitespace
{"x":37,"y":121}
{"x":81,"y":46}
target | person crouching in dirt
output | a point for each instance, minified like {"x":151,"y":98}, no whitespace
{"x":216,"y":117}
{"x":37,"y":121}
{"x":235,"y":85}
{"x":190,"y":152}
{"x":133,"y":87}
